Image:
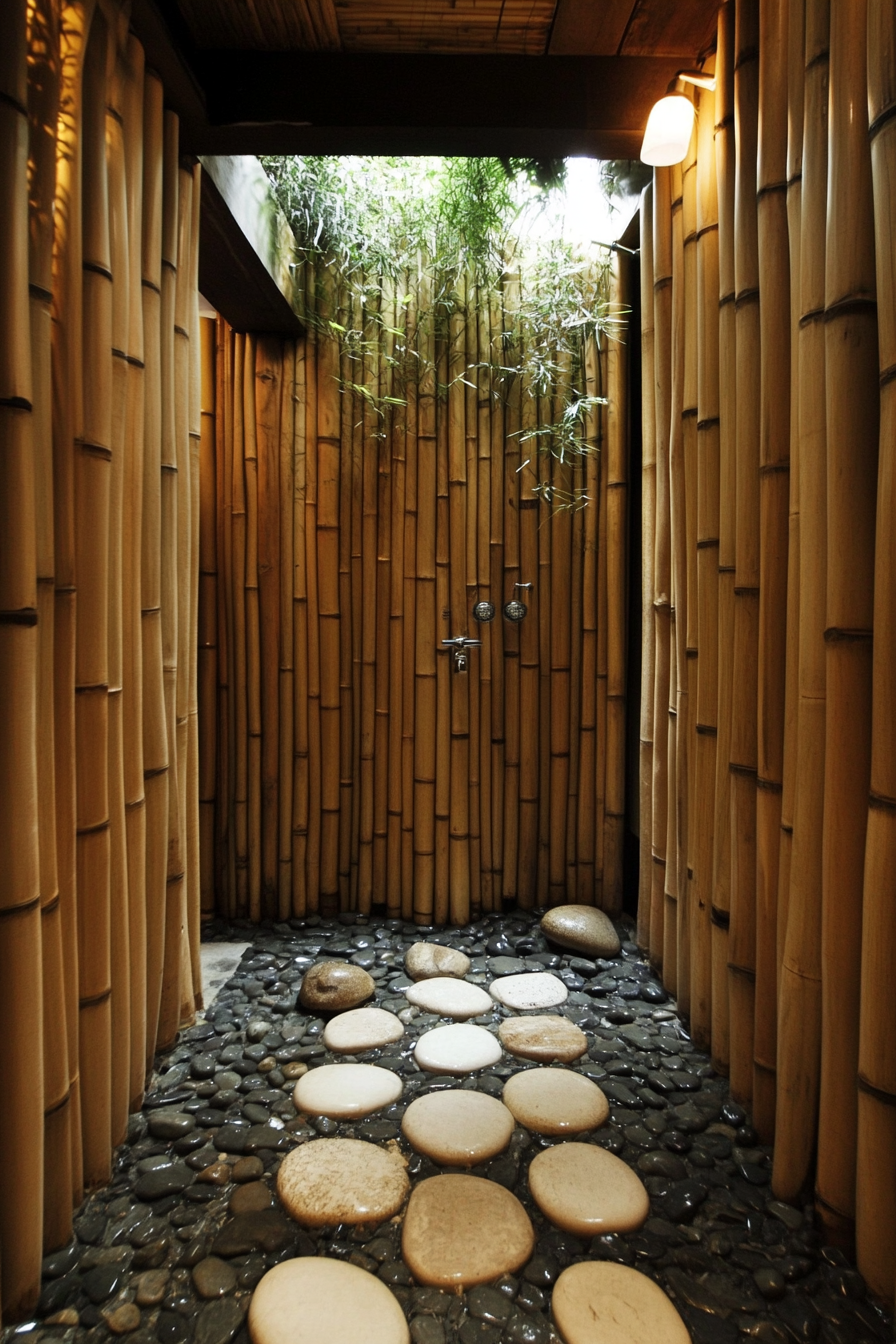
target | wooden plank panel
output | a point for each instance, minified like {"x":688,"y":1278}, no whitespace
{"x":657,"y":28}
{"x":582,"y":28}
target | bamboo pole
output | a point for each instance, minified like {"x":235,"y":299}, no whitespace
{"x":155,"y":739}
{"x":328,"y":481}
{"x":238,"y":692}
{"x":617,"y":585}
{"x":225,"y":828}
{"x":576,"y":616}
{"x":397,"y":681}
{"x":192,"y":950}
{"x":876,"y":1179}
{"x":368,"y":595}
{"x":444,"y":672}
{"x":487,"y":407}
{"x":560,"y":537}
{"x":600,"y":735}
{"x":253,"y":631}
{"x":648,"y":531}
{"x":409,"y":588}
{"x":679,"y":596}
{"x":742,"y":942}
{"x":312,"y":800}
{"x":707,"y":567}
{"x":460,"y":683}
{"x":688,"y":644}
{"x":799,"y":996}
{"x":471,"y":431}
{"x":496,"y":322}
{"x":304,"y":359}
{"x":545,"y":610}
{"x":119,"y":897}
{"x":92,"y":471}
{"x":286,"y":682}
{"x":43,"y":111}
{"x":207,"y":641}
{"x":346,"y":632}
{"x":529,"y":665}
{"x":425,"y":624}
{"x":269,"y":377}
{"x":357,"y":608}
{"x":383,"y":616}
{"x":774,"y":529}
{"x":851,"y":377}
{"x":21,"y":1126}
{"x":721,"y":861}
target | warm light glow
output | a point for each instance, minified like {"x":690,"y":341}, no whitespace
{"x":668,"y":133}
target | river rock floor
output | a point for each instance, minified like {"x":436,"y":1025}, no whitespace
{"x":162,"y":1256}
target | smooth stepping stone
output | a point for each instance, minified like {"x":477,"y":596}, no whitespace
{"x":535,"y":989}
{"x":597,"y":1300}
{"x":458,"y":1128}
{"x":333,"y":986}
{"x":330,"y":1181}
{"x":555,"y":1101}
{"x":587,"y":1191}
{"x":462,"y":1230}
{"x":459,"y":1048}
{"x":547,"y":1038}
{"x":362,"y":1029}
{"x":424,"y":961}
{"x":449,"y":997}
{"x":582,"y":928}
{"x":346,"y":1091}
{"x":312,"y":1299}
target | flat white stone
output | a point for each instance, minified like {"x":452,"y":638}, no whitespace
{"x":462,"y":1230}
{"x":555,"y":1101}
{"x":346,"y":1091}
{"x":449,"y":997}
{"x":332,"y":1181}
{"x":362,"y":1029}
{"x":312,"y":1300}
{"x":458,"y":1128}
{"x":587,"y":1191}
{"x":597,"y":1300}
{"x":424,"y":960}
{"x":547,"y":1038}
{"x":459,"y":1048}
{"x":534,"y":989}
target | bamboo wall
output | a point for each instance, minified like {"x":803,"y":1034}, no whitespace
{"x":780,"y":789}
{"x":352,"y":516}
{"x":99,"y":452}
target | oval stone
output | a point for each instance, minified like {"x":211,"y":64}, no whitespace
{"x":581,"y":928}
{"x":458,"y":1128}
{"x":534,"y":989}
{"x":547,"y":1038}
{"x":345,"y":1091}
{"x":462,"y":1230}
{"x":330,"y":1181}
{"x":449,"y":997}
{"x":424,"y":961}
{"x":587,"y":1191}
{"x":555,"y":1101}
{"x":617,"y":1305}
{"x":362,"y":1029}
{"x":333,"y":986}
{"x":312,"y":1299}
{"x":458,"y":1048}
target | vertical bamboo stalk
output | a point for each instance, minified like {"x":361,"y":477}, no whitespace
{"x":497,"y":320}
{"x":601,"y":706}
{"x":155,"y":738}
{"x":368,"y":599}
{"x":662,"y":565}
{"x":529,"y":664}
{"x":648,"y":534}
{"x":617,"y":585}
{"x":586,"y":841}
{"x":876,"y":1179}
{"x":384,"y":669}
{"x":192,"y":953}
{"x":224,"y":431}
{"x":459,"y":818}
{"x":312,"y":627}
{"x":720,"y":913}
{"x":253,"y":630}
{"x":397,"y":686}
{"x":269,"y":376}
{"x":560,"y":537}
{"x":425,"y":622}
{"x":799,"y":994}
{"x":21,"y":1127}
{"x":484,"y":590}
{"x":238,"y":607}
{"x":471,"y":431}
{"x":743,"y":757}
{"x":207,"y":648}
{"x":409,"y":644}
{"x":774,"y":528}
{"x":300,"y":781}
{"x":707,"y":548}
{"x":444,"y":671}
{"x":853,"y":417}
{"x":512,"y":575}
{"x":92,"y":472}
{"x":328,"y":479}
{"x":347,"y":790}
{"x":286,"y":683}
{"x":545,"y":657}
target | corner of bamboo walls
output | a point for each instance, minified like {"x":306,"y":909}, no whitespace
{"x":73,"y":951}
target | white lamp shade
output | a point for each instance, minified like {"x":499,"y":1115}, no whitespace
{"x":668,"y":133}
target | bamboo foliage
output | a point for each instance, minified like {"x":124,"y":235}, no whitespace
{"x":75,"y":964}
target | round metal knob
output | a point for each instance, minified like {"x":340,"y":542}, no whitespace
{"x":483,"y":612}
{"x":515,"y":610}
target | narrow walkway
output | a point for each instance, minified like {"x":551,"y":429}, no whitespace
{"x":534,"y":1221}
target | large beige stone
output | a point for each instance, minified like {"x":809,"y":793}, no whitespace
{"x":332,"y":1181}
{"x":313,"y":1300}
{"x":458,"y":1128}
{"x":362,"y":1029}
{"x":587,"y":1191}
{"x":555,"y":1101}
{"x":458,"y":1048}
{"x":424,"y":961}
{"x":461,"y":1230}
{"x":581,"y":928}
{"x":599,"y":1301}
{"x":532,"y":989}
{"x":449,"y":997}
{"x":333,"y":986}
{"x":547,"y":1038}
{"x":346,"y":1091}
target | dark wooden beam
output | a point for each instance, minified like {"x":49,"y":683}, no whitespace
{"x":583,"y":28}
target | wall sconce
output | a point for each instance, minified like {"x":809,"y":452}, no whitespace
{"x":671,"y":121}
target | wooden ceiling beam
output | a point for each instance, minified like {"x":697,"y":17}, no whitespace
{"x":582,"y":27}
